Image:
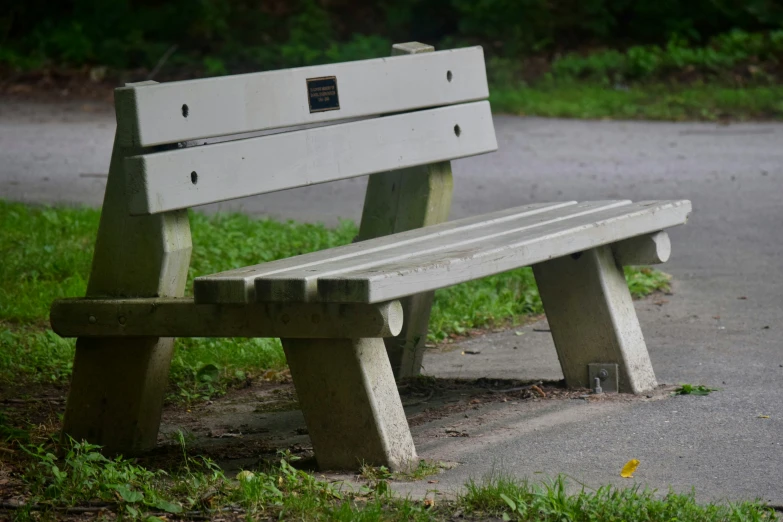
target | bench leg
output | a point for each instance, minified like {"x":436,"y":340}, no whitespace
{"x":395,"y":202}
{"x":402,"y":200}
{"x":117,"y":388}
{"x":591,"y":314}
{"x":350,"y":402}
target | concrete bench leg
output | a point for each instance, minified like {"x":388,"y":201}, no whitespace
{"x":350,"y":402}
{"x":117,"y":388}
{"x":116,"y":397}
{"x":403,"y":200}
{"x":591,"y":314}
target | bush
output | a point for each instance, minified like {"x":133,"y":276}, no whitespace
{"x":263,"y":34}
{"x":654,"y":62}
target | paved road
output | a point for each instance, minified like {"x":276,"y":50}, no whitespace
{"x":732,"y":248}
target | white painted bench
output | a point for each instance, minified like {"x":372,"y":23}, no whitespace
{"x":338,"y":311}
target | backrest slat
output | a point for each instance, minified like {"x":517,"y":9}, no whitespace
{"x":163,"y":181}
{"x":194,"y":109}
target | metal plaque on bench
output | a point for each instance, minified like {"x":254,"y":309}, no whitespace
{"x":322,"y":94}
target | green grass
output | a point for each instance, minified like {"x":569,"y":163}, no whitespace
{"x":550,"y":501}
{"x":735,"y":76}
{"x":425,"y":469}
{"x":47,"y":252}
{"x":693,"y":389}
{"x":644,"y":101}
{"x":196,"y":487}
{"x":726,"y":58}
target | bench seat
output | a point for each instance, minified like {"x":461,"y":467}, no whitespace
{"x":408,"y":263}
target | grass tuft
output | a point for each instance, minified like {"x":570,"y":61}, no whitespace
{"x":484,"y":302}
{"x":194,"y":487}
{"x":691,"y":389}
{"x":424,"y":469}
{"x":551,"y":501}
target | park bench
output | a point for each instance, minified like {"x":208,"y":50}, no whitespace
{"x":350,"y":318}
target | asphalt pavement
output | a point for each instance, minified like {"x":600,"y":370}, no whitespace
{"x":722,"y":327}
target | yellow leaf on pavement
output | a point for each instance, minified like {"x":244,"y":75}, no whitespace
{"x":629,"y":468}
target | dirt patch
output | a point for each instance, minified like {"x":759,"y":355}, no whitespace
{"x":246,"y":428}
{"x":440,"y":398}
{"x":31,"y":411}
{"x":58,"y":84}
{"x":97,"y":84}
{"x":262,"y":418}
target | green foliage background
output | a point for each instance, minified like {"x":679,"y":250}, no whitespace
{"x":222,"y":35}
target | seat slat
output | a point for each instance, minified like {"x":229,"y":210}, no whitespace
{"x":445,"y":268}
{"x":274,"y":99}
{"x":507,"y":234}
{"x":177,"y":179}
{"x":238,"y":285}
{"x":301,"y":284}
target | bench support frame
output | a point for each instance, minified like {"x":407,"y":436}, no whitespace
{"x":346,"y":386}
{"x":401,"y":200}
{"x":181,"y":317}
{"x":350,"y":402}
{"x":118,"y":385}
{"x":592,"y":318}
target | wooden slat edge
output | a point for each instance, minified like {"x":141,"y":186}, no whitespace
{"x":301,"y":285}
{"x":181,"y":317}
{"x":649,"y":249}
{"x":361,"y":286}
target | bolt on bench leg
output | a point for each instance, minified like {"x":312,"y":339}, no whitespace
{"x":592,"y":317}
{"x":350,"y":402}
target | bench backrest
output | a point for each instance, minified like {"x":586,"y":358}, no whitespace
{"x":411,"y":110}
